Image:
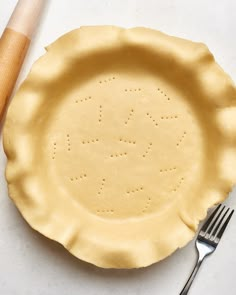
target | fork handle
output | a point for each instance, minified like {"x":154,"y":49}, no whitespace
{"x":192,"y":276}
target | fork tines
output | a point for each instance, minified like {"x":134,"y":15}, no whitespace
{"x":216,"y":224}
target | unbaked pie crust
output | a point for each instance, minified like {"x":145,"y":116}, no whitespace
{"x":118,"y":142}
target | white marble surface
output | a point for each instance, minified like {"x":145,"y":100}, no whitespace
{"x":32,"y":265}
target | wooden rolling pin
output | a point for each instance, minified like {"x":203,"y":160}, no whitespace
{"x":14,"y":44}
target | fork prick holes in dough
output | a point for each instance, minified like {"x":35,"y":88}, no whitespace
{"x":135,"y":190}
{"x":107,"y":80}
{"x":82,"y":176}
{"x":78,"y":178}
{"x":171,"y":117}
{"x":83,"y":99}
{"x":127,"y":141}
{"x":178,"y":185}
{"x":117,"y":155}
{"x":166,"y":170}
{"x":131,"y":113}
{"x":68,"y":143}
{"x":105,"y":211}
{"x":147,"y":150}
{"x":163,"y":93}
{"x":152,"y":119}
{"x":101,"y":187}
{"x":100,"y":114}
{"x":181,"y":139}
{"x":54,"y":150}
{"x":132,"y":89}
{"x":147,"y":205}
{"x":90,"y":141}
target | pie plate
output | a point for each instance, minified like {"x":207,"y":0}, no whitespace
{"x":119,"y":141}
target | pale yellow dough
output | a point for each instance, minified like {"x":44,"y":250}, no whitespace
{"x":119,"y":141}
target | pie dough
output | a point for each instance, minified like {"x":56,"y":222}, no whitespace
{"x":118,"y":142}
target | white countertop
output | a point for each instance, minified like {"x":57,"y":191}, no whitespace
{"x":31,"y":264}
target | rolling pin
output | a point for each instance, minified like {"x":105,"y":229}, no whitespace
{"x":14,"y":44}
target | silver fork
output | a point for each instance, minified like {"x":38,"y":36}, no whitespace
{"x":209,"y":238}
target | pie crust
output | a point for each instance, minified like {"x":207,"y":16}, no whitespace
{"x":119,"y":141}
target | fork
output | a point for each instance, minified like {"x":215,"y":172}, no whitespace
{"x":208,"y":238}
